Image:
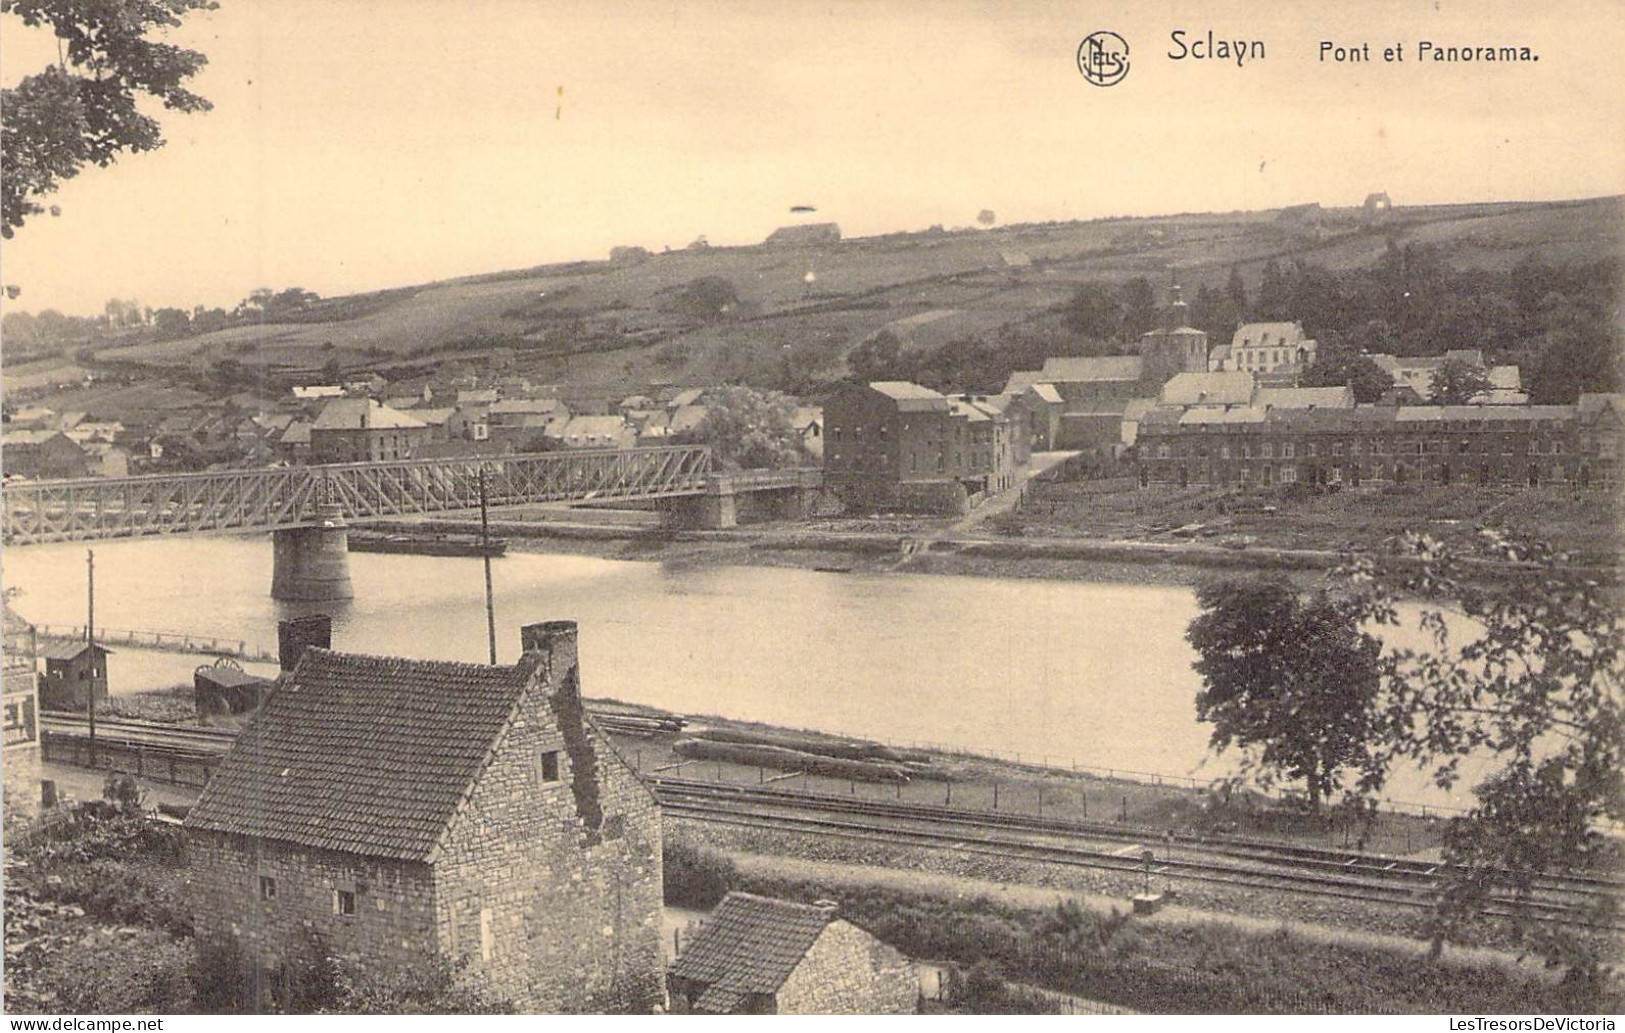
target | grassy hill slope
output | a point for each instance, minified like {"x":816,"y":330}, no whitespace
{"x":609,"y":325}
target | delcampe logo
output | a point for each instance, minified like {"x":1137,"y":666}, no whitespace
{"x":1103,"y":58}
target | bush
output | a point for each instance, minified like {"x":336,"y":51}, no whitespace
{"x":696,"y":877}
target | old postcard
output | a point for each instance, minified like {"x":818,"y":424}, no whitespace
{"x":857,"y":508}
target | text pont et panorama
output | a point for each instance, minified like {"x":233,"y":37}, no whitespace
{"x":1207,"y":46}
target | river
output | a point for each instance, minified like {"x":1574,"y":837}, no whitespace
{"x":1066,"y":671}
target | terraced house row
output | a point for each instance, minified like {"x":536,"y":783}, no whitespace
{"x":1377,"y":445}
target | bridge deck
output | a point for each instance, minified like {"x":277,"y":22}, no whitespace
{"x":266,"y":499}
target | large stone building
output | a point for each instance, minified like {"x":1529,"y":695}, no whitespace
{"x":1374,"y":445}
{"x":1083,"y":402}
{"x":760,"y":956}
{"x":1277,"y":352}
{"x":354,"y":430}
{"x":897,"y":445}
{"x":380,"y":808}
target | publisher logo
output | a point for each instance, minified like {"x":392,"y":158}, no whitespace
{"x":1103,"y":58}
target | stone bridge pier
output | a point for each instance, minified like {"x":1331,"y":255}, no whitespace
{"x":312,"y":562}
{"x":746,"y":498}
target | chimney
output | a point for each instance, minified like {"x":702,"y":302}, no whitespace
{"x":294,"y":636}
{"x":830,"y":908}
{"x":554,"y":642}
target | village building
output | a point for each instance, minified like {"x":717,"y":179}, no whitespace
{"x":380,"y":808}
{"x":1377,"y":445}
{"x":75,"y":672}
{"x":595,"y":432}
{"x":1082,"y":402}
{"x":1281,"y":351}
{"x":897,"y":445}
{"x":19,"y":682}
{"x":517,"y":420}
{"x":1416,"y":373}
{"x":353,"y":430}
{"x":760,"y":956}
{"x":42,"y":455}
{"x":808,"y":421}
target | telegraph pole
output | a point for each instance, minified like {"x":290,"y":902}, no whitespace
{"x":485,"y":551}
{"x":90,"y":638}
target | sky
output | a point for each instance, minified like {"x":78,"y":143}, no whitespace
{"x":361,"y":144}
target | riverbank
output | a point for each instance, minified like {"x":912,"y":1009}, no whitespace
{"x":919,"y":548}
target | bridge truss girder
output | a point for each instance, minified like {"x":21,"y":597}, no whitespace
{"x":244,"y":500}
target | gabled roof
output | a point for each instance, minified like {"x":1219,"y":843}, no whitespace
{"x":296,"y":433}
{"x":1590,"y":406}
{"x":1306,"y":397}
{"x":362,"y":754}
{"x":1234,"y":387}
{"x":1046,"y":393}
{"x":689,"y":417}
{"x":593,"y":426}
{"x":967,"y":408}
{"x":689,"y":397}
{"x":1267,"y":335}
{"x":749,"y":945}
{"x":433,"y":417}
{"x":1092,"y":368}
{"x":910,"y":397}
{"x":522,"y":405}
{"x":1022,"y":379}
{"x":59,"y":649}
{"x":362,"y":414}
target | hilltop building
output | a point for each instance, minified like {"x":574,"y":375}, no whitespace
{"x":1279,"y":351}
{"x":379,"y":808}
{"x":804,"y":235}
{"x":760,"y":956}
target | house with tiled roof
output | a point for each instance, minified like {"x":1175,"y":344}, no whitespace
{"x":760,"y":956}
{"x":377,"y":807}
{"x":351,"y":430}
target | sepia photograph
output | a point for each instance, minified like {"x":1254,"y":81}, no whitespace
{"x":812,"y":507}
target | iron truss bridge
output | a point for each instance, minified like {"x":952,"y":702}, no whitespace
{"x":248,"y":500}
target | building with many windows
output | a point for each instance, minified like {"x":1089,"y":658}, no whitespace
{"x":1373,"y":445}
{"x":897,"y":445}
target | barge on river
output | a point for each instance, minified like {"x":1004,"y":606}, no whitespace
{"x":427,"y":544}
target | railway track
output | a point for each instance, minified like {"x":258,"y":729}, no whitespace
{"x":1217,"y":860}
{"x":965,"y":833}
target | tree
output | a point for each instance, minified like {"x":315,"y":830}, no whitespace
{"x":1523,"y":667}
{"x":1139,"y":301}
{"x":707,"y":297}
{"x":172,"y":323}
{"x":1287,"y":674}
{"x":1236,"y":290}
{"x":1337,"y":364}
{"x":1457,"y":382}
{"x":83,"y":110}
{"x":748,"y":429}
{"x":875,"y":358}
{"x":1094,"y":313}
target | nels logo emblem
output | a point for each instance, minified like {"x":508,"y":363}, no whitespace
{"x":1103,"y":58}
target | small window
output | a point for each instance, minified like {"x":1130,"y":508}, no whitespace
{"x":267,"y":887}
{"x":344,"y":902}
{"x":550,"y":766}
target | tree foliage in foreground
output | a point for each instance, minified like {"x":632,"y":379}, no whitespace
{"x":1288,"y":675}
{"x":1518,"y":665}
{"x":83,"y":109}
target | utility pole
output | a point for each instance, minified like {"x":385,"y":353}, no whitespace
{"x":90,"y":639}
{"x":485,"y":551}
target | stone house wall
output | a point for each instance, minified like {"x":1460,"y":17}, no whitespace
{"x":552,"y":889}
{"x":849,"y":972}
{"x":393,"y":924}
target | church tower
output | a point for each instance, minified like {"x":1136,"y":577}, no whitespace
{"x":1175,"y":346}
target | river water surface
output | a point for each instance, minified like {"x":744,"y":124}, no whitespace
{"x":1095,"y":673}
